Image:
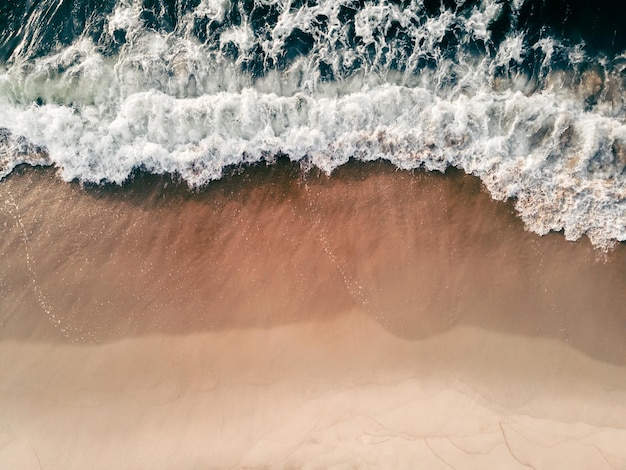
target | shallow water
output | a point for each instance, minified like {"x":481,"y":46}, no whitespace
{"x":291,"y":319}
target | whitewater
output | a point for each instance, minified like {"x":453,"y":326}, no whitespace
{"x":193,"y":88}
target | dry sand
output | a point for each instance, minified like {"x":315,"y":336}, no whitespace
{"x":373,"y":319}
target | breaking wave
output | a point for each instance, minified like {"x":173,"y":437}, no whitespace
{"x":502,"y":90}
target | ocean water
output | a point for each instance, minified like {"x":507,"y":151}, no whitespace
{"x":312,"y":234}
{"x":526,"y":95}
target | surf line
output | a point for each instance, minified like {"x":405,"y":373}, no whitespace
{"x":14,"y":211}
{"x":354,"y":288}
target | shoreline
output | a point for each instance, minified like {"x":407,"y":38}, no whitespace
{"x":340,"y":392}
{"x":273,"y":239}
{"x":370,"y":317}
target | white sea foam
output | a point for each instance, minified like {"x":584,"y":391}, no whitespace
{"x":168,"y":104}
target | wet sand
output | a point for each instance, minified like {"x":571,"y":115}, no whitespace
{"x":370,"y":319}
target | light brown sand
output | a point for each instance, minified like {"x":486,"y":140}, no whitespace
{"x":340,"y":393}
{"x":373,"y":319}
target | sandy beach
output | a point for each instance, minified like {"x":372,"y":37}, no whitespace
{"x":278,"y":319}
{"x":312,"y":234}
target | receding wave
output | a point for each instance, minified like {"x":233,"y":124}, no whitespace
{"x":193,"y":87}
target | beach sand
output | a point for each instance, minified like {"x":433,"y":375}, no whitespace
{"x":373,"y":318}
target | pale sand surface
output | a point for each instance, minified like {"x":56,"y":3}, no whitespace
{"x":340,"y":393}
{"x":373,"y":319}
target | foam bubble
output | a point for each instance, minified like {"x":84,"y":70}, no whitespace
{"x":388,"y":83}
